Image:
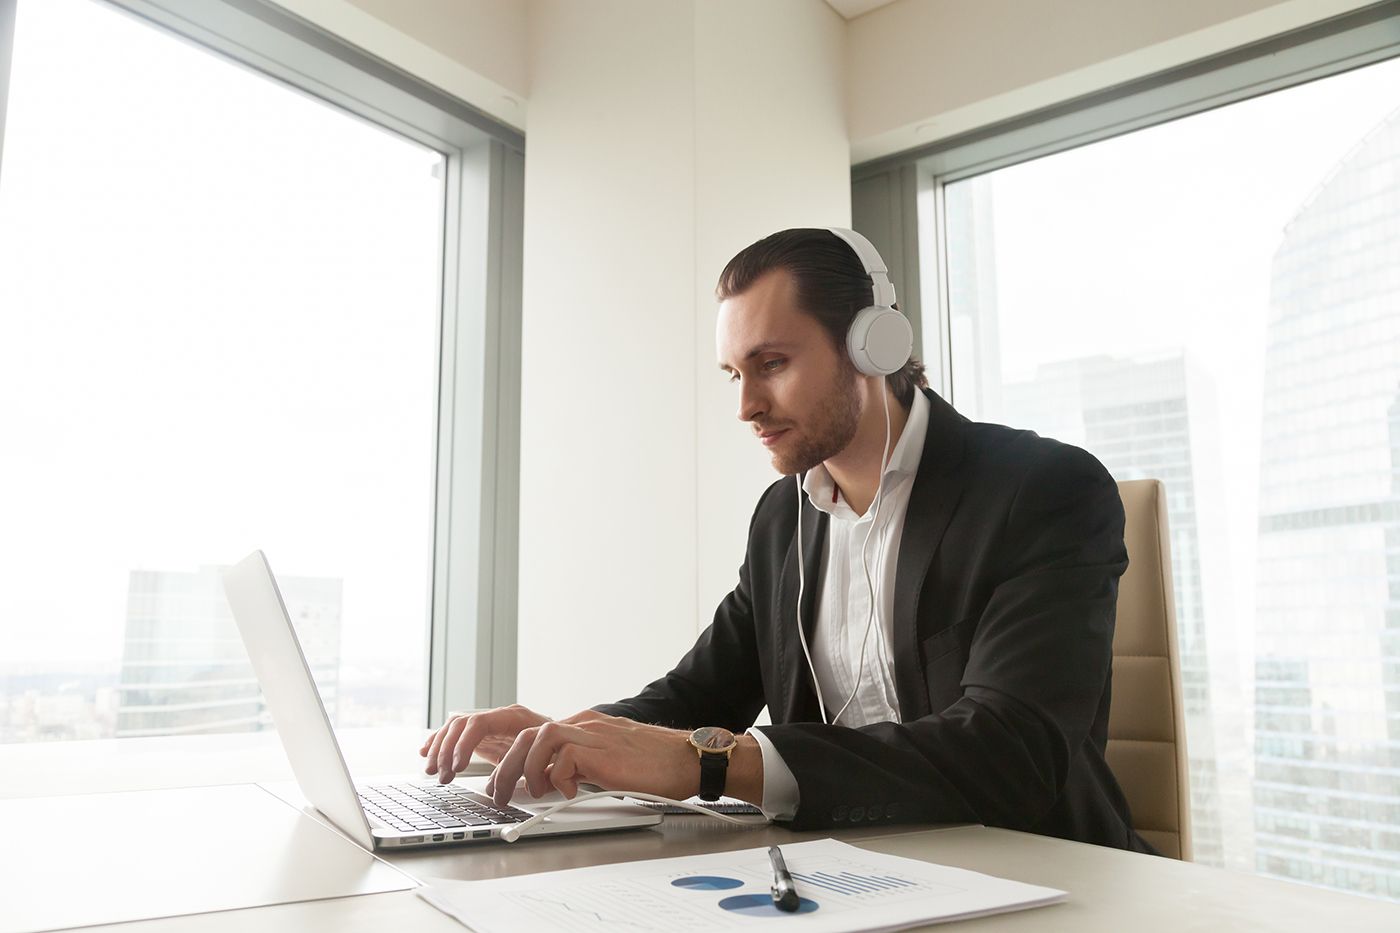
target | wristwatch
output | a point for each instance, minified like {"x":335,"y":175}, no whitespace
{"x":714,"y":746}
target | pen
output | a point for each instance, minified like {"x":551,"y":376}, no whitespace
{"x":784,"y":891}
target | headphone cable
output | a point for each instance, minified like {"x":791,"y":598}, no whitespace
{"x":515,"y":831}
{"x":864,"y":554}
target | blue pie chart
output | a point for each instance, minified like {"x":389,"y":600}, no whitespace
{"x":761,"y":905}
{"x":707,"y":883}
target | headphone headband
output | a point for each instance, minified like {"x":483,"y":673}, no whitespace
{"x":874,"y":266}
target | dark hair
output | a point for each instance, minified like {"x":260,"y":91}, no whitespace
{"x":831,"y":284}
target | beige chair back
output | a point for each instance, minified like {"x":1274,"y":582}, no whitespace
{"x":1146,"y":728}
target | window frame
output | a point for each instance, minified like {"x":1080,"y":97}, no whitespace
{"x":470,"y":640}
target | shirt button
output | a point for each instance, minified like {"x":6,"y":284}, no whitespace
{"x":857,"y":814}
{"x":839,"y":814}
{"x":874,"y":812}
{"x":892,"y":811}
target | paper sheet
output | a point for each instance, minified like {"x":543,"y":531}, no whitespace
{"x":843,"y":888}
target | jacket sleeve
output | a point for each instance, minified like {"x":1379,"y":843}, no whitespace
{"x":1038,"y":665}
{"x":718,"y":682}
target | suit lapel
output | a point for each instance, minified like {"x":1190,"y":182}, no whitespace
{"x":802,"y":698}
{"x":937,"y":488}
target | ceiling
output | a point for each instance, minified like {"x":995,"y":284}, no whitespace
{"x":850,"y":9}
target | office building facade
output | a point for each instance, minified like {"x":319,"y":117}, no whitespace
{"x":184,"y":669}
{"x":1327,"y":749}
{"x":1136,"y":417}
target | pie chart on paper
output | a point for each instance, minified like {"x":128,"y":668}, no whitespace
{"x":707,"y":883}
{"x":761,"y":905}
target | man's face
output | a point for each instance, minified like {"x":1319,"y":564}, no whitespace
{"x":795,"y":390}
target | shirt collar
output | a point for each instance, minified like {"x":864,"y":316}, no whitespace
{"x":904,"y":461}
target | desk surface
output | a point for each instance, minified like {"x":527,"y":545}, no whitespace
{"x":1108,"y":890}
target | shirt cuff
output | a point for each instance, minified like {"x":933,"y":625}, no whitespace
{"x":780,"y":794}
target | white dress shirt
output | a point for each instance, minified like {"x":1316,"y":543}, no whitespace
{"x":844,"y":600}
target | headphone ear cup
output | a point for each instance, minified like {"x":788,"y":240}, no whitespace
{"x":880,"y":341}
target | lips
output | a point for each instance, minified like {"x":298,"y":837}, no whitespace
{"x":769,"y":438}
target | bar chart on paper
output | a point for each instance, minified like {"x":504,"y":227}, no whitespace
{"x":853,"y":883}
{"x":841,"y":888}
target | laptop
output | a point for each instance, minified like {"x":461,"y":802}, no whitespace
{"x":395,"y":814}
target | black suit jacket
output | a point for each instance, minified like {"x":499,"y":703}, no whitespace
{"x":1005,"y":591}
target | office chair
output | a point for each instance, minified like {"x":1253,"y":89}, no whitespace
{"x":1146,"y":728}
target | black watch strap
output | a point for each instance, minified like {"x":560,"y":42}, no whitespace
{"x":713,"y":771}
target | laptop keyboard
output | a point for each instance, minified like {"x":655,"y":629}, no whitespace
{"x":430,"y":807}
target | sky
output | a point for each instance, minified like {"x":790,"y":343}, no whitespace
{"x":219,"y":332}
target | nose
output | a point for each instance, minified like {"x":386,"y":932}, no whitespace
{"x":752,"y":403}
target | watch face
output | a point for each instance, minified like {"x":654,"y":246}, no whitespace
{"x":712,"y":738}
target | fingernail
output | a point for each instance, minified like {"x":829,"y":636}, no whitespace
{"x":456,"y":762}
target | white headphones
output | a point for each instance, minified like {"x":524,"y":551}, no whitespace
{"x":880,"y":339}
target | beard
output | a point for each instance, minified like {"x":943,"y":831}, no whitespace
{"x":831,"y":428}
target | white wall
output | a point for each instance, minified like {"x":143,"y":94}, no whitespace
{"x":924,"y":70}
{"x":649,"y":164}
{"x":771,"y":153}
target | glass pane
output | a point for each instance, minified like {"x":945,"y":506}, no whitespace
{"x":1215,"y":302}
{"x":219,"y":312}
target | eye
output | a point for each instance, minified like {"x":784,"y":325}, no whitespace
{"x":773,"y":365}
{"x":733,"y":377}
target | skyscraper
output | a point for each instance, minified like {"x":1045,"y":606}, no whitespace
{"x":184,"y":668}
{"x":1327,"y":749}
{"x":1136,"y":417}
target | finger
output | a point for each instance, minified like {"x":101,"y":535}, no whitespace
{"x":476,"y":730}
{"x":430,"y":747}
{"x":499,"y":727}
{"x":564,"y":774}
{"x":460,"y":738}
{"x":507,"y":773}
{"x":494,"y":748}
{"x":541,"y":753}
{"x":446,"y":767}
{"x":442,"y":736}
{"x":554,"y":737}
{"x":431,"y":735}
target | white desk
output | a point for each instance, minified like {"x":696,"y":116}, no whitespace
{"x":1108,"y":890}
{"x":101,"y":858}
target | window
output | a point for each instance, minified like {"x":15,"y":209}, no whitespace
{"x":1215,"y":302}
{"x":223,"y":325}
{"x":1195,"y":277}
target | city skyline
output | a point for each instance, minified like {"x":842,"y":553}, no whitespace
{"x":1327,"y":792}
{"x":1136,"y":416}
{"x":184,"y":666}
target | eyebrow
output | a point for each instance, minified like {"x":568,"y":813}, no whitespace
{"x":759,"y":350}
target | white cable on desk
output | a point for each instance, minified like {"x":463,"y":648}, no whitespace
{"x":512,"y":833}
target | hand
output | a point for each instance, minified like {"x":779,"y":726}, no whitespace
{"x":488,"y":733}
{"x":589,"y":747}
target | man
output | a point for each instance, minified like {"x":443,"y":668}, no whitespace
{"x":960,"y":628}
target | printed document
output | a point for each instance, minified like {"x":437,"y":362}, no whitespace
{"x":842,"y":888}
